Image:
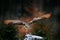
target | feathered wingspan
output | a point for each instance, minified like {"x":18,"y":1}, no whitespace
{"x":34,"y":19}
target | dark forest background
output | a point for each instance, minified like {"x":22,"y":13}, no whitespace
{"x":12,"y":9}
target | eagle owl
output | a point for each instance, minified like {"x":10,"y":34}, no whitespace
{"x":25,"y":23}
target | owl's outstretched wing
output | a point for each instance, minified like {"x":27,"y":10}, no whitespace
{"x":41,"y":17}
{"x":14,"y":22}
